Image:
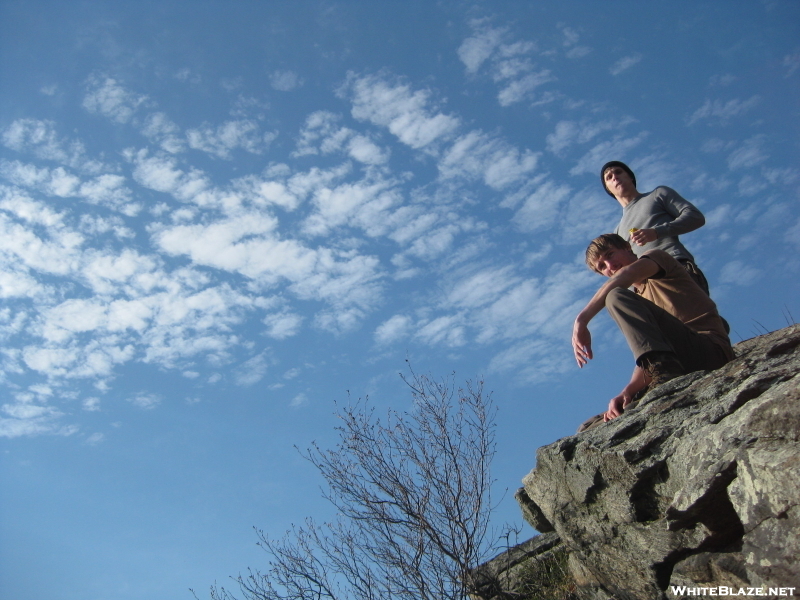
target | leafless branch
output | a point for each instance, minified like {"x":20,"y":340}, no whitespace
{"x":413,"y":497}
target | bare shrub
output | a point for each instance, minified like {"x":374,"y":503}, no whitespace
{"x":412,"y":493}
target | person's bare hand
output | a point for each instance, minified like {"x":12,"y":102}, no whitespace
{"x":616,"y":407}
{"x":581,"y":343}
{"x":640,"y":237}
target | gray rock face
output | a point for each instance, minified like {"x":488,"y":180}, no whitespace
{"x":697,"y":486}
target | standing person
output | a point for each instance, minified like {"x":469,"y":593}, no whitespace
{"x":653,"y":221}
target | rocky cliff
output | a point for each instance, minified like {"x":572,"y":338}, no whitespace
{"x":698,"y":486}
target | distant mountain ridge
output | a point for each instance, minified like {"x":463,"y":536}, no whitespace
{"x":697,"y":487}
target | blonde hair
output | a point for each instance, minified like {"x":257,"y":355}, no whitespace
{"x":602,"y":244}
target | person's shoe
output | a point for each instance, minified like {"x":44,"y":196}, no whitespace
{"x":726,"y":325}
{"x":661,"y":367}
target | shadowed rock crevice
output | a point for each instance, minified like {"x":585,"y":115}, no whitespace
{"x":598,"y":485}
{"x":647,"y":502}
{"x":713,"y":509}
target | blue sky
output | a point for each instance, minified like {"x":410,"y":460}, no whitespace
{"x":219,"y":218}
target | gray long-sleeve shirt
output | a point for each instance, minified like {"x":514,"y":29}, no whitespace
{"x":668,"y":213}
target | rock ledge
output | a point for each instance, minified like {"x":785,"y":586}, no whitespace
{"x":697,"y":486}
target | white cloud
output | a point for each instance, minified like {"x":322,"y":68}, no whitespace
{"x":251,"y":371}
{"x":412,"y":222}
{"x":531,"y":361}
{"x":738,"y":273}
{"x":509,"y":62}
{"x":107,"y":97}
{"x":792,"y":234}
{"x":306,"y":183}
{"x":571,"y":36}
{"x":161,"y":129}
{"x":751,"y":186}
{"x":392,"y":330}
{"x":105,"y":272}
{"x":410,"y":115}
{"x":56,"y":251}
{"x":530,"y":316}
{"x":322,"y":134}
{"x":562,"y":137}
{"x":781,"y":176}
{"x":282,"y":325}
{"x":576,"y":228}
{"x":24,"y":410}
{"x":246,"y":244}
{"x":50,"y":360}
{"x":613,"y":149}
{"x":239,"y":244}
{"x":40,"y":139}
{"x":70,"y":317}
{"x":185,"y":74}
{"x":364,"y":150}
{"x":145,"y":401}
{"x":53,"y":182}
{"x":95,"y":439}
{"x":625,"y":63}
{"x":285,"y":81}
{"x":724,"y":111}
{"x":162,"y":174}
{"x":112,"y":191}
{"x":722,"y":80}
{"x":481,"y":288}
{"x":521,"y":88}
{"x":299,"y":400}
{"x":434,"y":242}
{"x":26,"y":419}
{"x":749,"y":154}
{"x":578,"y":51}
{"x":263,"y":192}
{"x":221,"y":140}
{"x":365,"y":204}
{"x":567,"y":133}
{"x":160,"y":320}
{"x":443,"y":331}
{"x":477,"y":155}
{"x":19,"y":284}
{"x":347,"y":282}
{"x":91,"y":404}
{"x":108,"y":189}
{"x":541,"y":209}
{"x":792,"y":63}
{"x":475,"y":50}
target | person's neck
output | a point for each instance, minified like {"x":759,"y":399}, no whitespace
{"x":628,"y":197}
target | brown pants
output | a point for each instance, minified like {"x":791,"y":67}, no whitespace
{"x":649,"y":328}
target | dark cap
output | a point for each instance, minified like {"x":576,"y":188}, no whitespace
{"x":615,"y":163}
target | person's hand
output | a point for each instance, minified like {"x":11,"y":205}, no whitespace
{"x":581,"y":343}
{"x":640,"y":237}
{"x":616,"y":407}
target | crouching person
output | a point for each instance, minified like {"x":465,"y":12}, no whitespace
{"x":671,"y":325}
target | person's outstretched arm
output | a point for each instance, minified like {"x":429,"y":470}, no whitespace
{"x":626,"y":277}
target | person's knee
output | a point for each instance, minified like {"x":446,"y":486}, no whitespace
{"x":619,"y":295}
